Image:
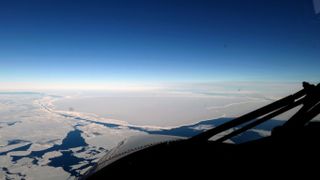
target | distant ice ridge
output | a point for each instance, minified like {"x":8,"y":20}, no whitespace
{"x":163,"y":109}
{"x":47,"y":103}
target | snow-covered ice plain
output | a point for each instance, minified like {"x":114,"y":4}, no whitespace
{"x":45,"y":136}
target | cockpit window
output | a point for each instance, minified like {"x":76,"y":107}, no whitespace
{"x":79,"y":77}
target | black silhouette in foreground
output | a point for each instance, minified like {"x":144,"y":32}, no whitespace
{"x":291,"y":149}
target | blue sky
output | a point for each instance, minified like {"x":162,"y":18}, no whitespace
{"x":158,"y":41}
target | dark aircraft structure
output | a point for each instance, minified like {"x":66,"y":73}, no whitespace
{"x":292,"y":149}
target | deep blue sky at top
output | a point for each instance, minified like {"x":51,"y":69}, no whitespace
{"x":158,"y":41}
